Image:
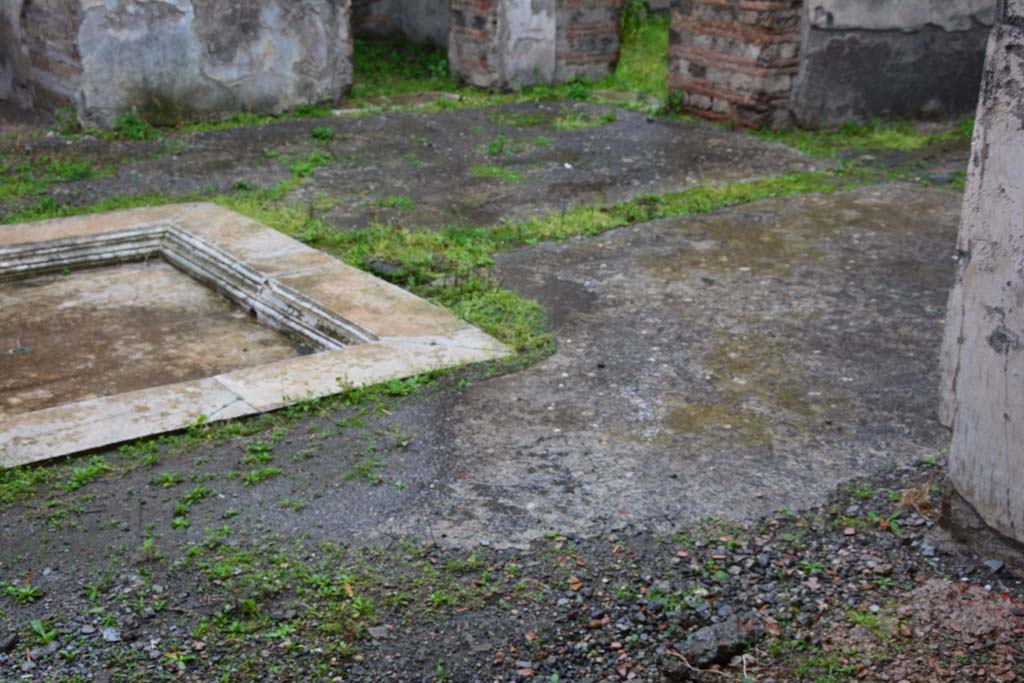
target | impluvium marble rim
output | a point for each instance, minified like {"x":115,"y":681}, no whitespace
{"x":365,"y":330}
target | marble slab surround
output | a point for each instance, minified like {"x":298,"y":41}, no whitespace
{"x":365,"y":330}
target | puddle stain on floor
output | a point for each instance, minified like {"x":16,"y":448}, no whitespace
{"x":105,"y":331}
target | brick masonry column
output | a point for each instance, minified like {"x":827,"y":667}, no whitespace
{"x":735,"y":60}
{"x":473,"y":49}
{"x":983,"y":353}
{"x":504,"y":44}
{"x":588,"y":38}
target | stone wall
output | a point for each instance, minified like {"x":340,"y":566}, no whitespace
{"x":472,"y":48}
{"x":527,"y":36}
{"x":659,"y":7}
{"x":588,"y":39}
{"x":49,"y":31}
{"x":983,"y":353}
{"x":734,"y":60}
{"x":504,"y":44}
{"x":862,"y":58}
{"x":176,"y":59}
{"x":420,"y":20}
{"x":14,"y":63}
{"x":823,"y":62}
{"x":182,"y":59}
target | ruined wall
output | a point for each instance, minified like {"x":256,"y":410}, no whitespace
{"x":862,"y":58}
{"x":659,"y":7}
{"x":533,"y":41}
{"x":472,"y":48}
{"x":420,"y":20}
{"x":527,"y":35}
{"x":49,"y":31}
{"x":983,"y":353}
{"x":587,"y":39}
{"x":734,"y":60}
{"x":184,"y":58}
{"x":13,"y":56}
{"x":504,"y":44}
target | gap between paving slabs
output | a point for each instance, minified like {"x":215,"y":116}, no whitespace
{"x":366,"y":330}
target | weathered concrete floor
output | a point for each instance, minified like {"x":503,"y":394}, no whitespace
{"x":425,"y":170}
{"x":105,"y":331}
{"x":727,"y":365}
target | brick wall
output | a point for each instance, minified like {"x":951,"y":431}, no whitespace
{"x":473,"y":50}
{"x":588,"y":38}
{"x":735,"y":60}
{"x":485,"y":50}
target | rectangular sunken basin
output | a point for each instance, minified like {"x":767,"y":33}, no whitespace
{"x":123,"y":325}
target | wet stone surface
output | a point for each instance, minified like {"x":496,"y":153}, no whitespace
{"x":105,"y":331}
{"x":467,"y":167}
{"x":728,"y":365}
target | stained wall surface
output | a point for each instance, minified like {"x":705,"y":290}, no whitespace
{"x":862,"y":58}
{"x":13,"y":56}
{"x":983,"y":356}
{"x":778,"y":63}
{"x":506,"y":44}
{"x":175,"y":58}
{"x":420,"y":20}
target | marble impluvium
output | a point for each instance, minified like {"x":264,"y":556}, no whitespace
{"x":324,"y":327}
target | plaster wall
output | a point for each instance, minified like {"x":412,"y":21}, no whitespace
{"x":862,"y":58}
{"x":983,"y":354}
{"x":528,"y":41}
{"x":903,"y":15}
{"x":210,"y":56}
{"x":176,"y":59}
{"x":420,"y":20}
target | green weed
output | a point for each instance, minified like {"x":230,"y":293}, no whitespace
{"x":643,"y":60}
{"x":398,"y":66}
{"x":495,"y":172}
{"x":131,"y":126}
{"x":875,"y":135}
{"x":41,"y":632}
{"x":394,"y":202}
{"x":305,"y":166}
{"x":258,"y":476}
{"x":323,"y":135}
{"x":22,"y":594}
{"x":581,"y":120}
{"x":94,"y":468}
{"x":168,"y":480}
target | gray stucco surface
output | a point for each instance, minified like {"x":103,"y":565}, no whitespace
{"x":527,"y":39}
{"x":983,"y":356}
{"x":903,"y":15}
{"x":869,"y":57}
{"x":211,"y":55}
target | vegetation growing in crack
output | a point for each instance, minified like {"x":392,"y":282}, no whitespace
{"x":875,"y":135}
